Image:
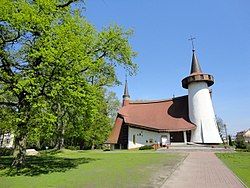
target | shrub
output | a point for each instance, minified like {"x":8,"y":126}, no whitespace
{"x":248,"y":147}
{"x":230,"y":141}
{"x":6,"y":151}
{"x":240,"y":143}
{"x":106,"y":149}
{"x":146,"y":147}
{"x":73,"y":147}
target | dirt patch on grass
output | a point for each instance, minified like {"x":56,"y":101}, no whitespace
{"x":163,"y":171}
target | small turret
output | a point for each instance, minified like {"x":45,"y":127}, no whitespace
{"x":126,"y":97}
{"x":195,"y":66}
{"x":196,"y":74}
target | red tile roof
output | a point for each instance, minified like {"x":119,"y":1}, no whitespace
{"x":113,"y":137}
{"x":161,"y":116}
{"x":165,"y":115}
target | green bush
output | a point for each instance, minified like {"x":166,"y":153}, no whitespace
{"x":248,"y":147}
{"x":106,"y":149}
{"x":73,"y":147}
{"x":240,"y":143}
{"x":230,"y":141}
{"x":146,"y":147}
{"x":6,"y":151}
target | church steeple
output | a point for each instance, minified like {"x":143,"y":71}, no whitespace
{"x":125,"y":93}
{"x":196,"y":74}
{"x":200,"y":108}
{"x":126,"y":97}
{"x":195,"y":67}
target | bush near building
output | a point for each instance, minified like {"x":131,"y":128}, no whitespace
{"x":240,"y":143}
{"x":146,"y":147}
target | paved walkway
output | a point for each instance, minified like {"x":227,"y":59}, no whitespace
{"x":202,"y":170}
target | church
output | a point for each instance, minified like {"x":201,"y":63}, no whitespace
{"x":179,"y":120}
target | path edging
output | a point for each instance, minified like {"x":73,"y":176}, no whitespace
{"x":231,"y":172}
{"x":174,"y":169}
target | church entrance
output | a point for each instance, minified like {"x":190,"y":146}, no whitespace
{"x":177,"y":136}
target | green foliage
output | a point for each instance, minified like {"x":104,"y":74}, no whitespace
{"x":240,"y":143}
{"x":106,"y":149}
{"x":7,"y":119}
{"x":73,"y":147}
{"x":54,"y":66}
{"x":248,"y":147}
{"x":6,"y":151}
{"x":113,"y":105}
{"x":239,"y":163}
{"x":230,"y":141}
{"x":146,"y":147}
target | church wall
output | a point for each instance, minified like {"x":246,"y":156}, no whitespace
{"x":201,"y":113}
{"x":139,"y":137}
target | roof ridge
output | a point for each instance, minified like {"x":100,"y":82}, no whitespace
{"x":154,"y":101}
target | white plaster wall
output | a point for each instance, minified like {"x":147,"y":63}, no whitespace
{"x":201,"y":113}
{"x":11,"y":140}
{"x":141,"y":136}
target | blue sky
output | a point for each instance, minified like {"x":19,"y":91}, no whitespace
{"x":161,"y":32}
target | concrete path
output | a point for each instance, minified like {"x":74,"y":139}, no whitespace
{"x":202,"y":170}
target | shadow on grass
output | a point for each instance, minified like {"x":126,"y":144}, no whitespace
{"x":35,"y":166}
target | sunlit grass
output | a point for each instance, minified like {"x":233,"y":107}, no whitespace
{"x":87,"y":169}
{"x":239,"y":163}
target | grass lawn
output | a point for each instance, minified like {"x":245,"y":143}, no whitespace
{"x":89,"y":169}
{"x":239,"y":163}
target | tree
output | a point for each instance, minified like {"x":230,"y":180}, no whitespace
{"x":113,"y":105}
{"x":230,"y":140}
{"x":222,"y":127}
{"x":6,"y":117}
{"x":51,"y":58}
{"x":97,"y":124}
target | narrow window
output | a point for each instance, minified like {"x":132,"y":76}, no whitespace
{"x":133,"y":139}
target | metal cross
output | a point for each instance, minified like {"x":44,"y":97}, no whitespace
{"x":192,"y":40}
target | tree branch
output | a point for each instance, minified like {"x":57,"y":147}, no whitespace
{"x":13,"y":39}
{"x":66,"y":4}
{"x":8,"y":104}
{"x":103,"y":54}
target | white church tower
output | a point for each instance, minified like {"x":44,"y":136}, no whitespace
{"x":200,"y":107}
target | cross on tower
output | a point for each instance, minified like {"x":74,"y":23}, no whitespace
{"x":192,"y":41}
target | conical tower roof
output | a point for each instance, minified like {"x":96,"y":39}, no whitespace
{"x":196,"y":74}
{"x":195,"y":66}
{"x":126,"y":97}
{"x":125,"y":93}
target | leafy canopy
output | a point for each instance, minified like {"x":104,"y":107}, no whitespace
{"x":54,"y":66}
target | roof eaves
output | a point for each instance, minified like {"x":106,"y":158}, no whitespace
{"x":160,"y":130}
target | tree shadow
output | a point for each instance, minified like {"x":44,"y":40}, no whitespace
{"x":35,"y":166}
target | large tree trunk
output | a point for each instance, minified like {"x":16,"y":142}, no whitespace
{"x":61,"y":112}
{"x":60,"y":137}
{"x":20,"y":150}
{"x":22,"y":131}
